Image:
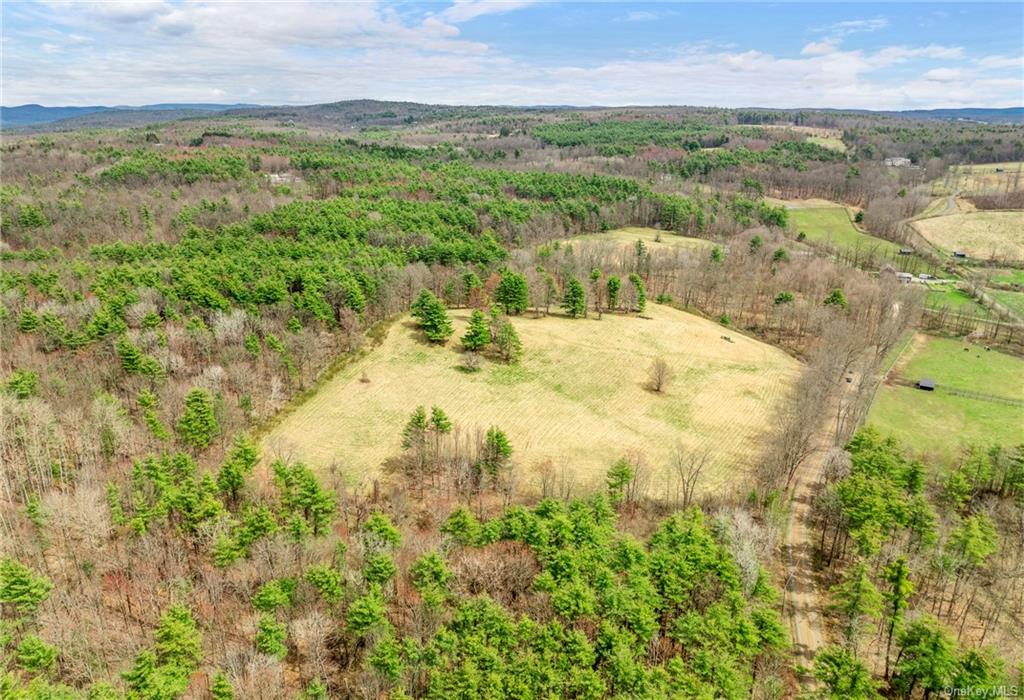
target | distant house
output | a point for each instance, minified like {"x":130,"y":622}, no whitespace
{"x":904,"y":277}
{"x":959,"y":254}
{"x":926,"y":384}
{"x":906,"y":251}
{"x":898,"y":162}
{"x":925,"y":276}
{"x":999,"y":170}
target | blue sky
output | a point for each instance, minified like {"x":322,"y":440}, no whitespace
{"x":843,"y":55}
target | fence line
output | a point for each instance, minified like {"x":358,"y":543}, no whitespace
{"x":941,"y":389}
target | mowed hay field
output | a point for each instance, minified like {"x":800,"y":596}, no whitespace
{"x":940,"y":423}
{"x":831,"y":225}
{"x":652,"y":238}
{"x":986,"y":178}
{"x":578,"y":397}
{"x":997,"y":235}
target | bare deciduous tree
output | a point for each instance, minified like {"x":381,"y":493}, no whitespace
{"x":660,"y":374}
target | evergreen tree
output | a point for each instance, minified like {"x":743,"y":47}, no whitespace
{"x":857,"y":600}
{"x":927,"y":658}
{"x":415,"y":431}
{"x":508,"y":342}
{"x":478,"y":334}
{"x":614,"y":284}
{"x":843,"y":676}
{"x":641,"y":292}
{"x":575,"y":299}
{"x":35,"y":655}
{"x":496,"y":451}
{"x":440,"y":424}
{"x":271,"y":636}
{"x":618,"y":477}
{"x":20,"y":588}
{"x":836,"y":298}
{"x":432,"y":317}
{"x":512,"y":292}
{"x":221,"y":688}
{"x":897,"y":575}
{"x":198,"y":424}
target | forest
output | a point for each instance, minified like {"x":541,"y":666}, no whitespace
{"x":172,"y":295}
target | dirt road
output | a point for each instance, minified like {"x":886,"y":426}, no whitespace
{"x":803,"y":604}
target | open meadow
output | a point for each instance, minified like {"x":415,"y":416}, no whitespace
{"x":578,"y":397}
{"x":940,"y":423}
{"x":830,"y":224}
{"x":652,"y":238}
{"x":981,"y":179}
{"x":996,"y":235}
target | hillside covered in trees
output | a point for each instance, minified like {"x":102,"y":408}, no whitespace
{"x":169,"y":293}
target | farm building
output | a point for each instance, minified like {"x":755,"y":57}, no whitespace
{"x":926,"y":384}
{"x":904,"y":277}
{"x":898,"y":162}
{"x":906,"y":251}
{"x":959,"y":254}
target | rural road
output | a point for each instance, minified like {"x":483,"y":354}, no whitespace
{"x":805,"y":620}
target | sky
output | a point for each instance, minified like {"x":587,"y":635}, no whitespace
{"x":896,"y":55}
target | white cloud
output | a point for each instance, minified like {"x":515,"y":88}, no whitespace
{"x":943,"y":75}
{"x":852,"y":26}
{"x":465,"y":10}
{"x":304,"y":52}
{"x":641,"y":16}
{"x":819,"y":48}
{"x":130,"y":11}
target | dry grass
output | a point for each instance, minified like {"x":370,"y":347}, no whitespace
{"x":579,"y":397}
{"x":988,"y":178}
{"x":997,"y":235}
{"x":652,"y":238}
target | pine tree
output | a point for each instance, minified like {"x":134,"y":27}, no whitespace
{"x":641,"y":292}
{"x":221,"y":688}
{"x":20,"y":588}
{"x":271,"y":636}
{"x":439,"y":421}
{"x":857,"y":600}
{"x":508,"y":342}
{"x":415,"y":429}
{"x":496,"y":451}
{"x":432,"y":317}
{"x":478,"y":335}
{"x":843,"y":676}
{"x":512,"y":292}
{"x":614,"y":284}
{"x":198,"y":425}
{"x":618,"y":477}
{"x":836,"y":298}
{"x":575,"y":299}
{"x":897,"y":575}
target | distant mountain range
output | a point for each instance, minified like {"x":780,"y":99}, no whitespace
{"x":377,"y":112}
{"x":28,"y":115}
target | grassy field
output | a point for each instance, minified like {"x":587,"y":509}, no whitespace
{"x":938,"y":423}
{"x":578,"y":397}
{"x":981,"y":179}
{"x":955,"y":300}
{"x":833,"y":142}
{"x":1009,"y":276}
{"x":652,"y":238}
{"x":831,"y":225}
{"x":1014,"y":301}
{"x":995,"y":235}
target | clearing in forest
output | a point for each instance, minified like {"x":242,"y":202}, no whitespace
{"x":831,"y":225}
{"x":981,"y":179}
{"x":653,"y":238}
{"x":940,"y":423}
{"x":990,"y":235}
{"x":579,"y":397}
